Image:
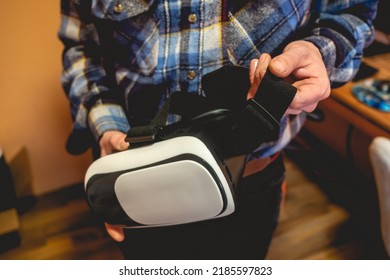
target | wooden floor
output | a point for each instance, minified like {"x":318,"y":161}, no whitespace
{"x":326,"y":215}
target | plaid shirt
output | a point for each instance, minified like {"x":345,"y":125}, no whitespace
{"x":162,"y":46}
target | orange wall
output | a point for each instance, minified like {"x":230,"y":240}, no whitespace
{"x":34,"y":111}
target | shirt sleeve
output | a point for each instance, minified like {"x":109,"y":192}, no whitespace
{"x":341,"y":30}
{"x":95,"y":104}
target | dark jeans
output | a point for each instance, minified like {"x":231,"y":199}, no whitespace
{"x":245,"y":234}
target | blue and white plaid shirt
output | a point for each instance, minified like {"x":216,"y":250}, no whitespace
{"x":168,"y":45}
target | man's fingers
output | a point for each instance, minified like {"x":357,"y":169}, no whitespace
{"x":116,"y":233}
{"x":257,"y":69}
{"x":305,"y":100}
{"x":118,"y":140}
{"x":112,"y":141}
{"x":296,"y":55}
{"x":284,"y":64}
{"x":252,"y":69}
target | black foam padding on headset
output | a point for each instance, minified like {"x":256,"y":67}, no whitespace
{"x":227,"y":87}
{"x":275,"y":95}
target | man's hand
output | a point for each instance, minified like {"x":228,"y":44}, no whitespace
{"x":111,"y":142}
{"x":302,"y":64}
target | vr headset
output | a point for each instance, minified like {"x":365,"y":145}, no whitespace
{"x":189,"y":171}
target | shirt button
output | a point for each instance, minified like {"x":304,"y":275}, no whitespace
{"x":191,"y":75}
{"x":192,"y":18}
{"x":118,"y":8}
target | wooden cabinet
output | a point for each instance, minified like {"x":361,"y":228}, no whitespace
{"x":347,"y":126}
{"x":346,"y":132}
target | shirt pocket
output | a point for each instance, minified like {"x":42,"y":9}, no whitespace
{"x":261,"y":27}
{"x":118,"y":10}
{"x":240,"y":47}
{"x":135,"y":33}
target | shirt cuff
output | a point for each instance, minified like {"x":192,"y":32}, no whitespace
{"x":105,"y":117}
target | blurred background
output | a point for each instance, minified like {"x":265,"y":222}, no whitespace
{"x":34,"y":112}
{"x":330,"y":209}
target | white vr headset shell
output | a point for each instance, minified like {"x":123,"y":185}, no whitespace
{"x":170,"y":182}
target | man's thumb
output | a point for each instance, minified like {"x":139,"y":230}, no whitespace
{"x":279,"y":67}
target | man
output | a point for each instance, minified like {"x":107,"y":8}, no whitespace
{"x":123,"y":59}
